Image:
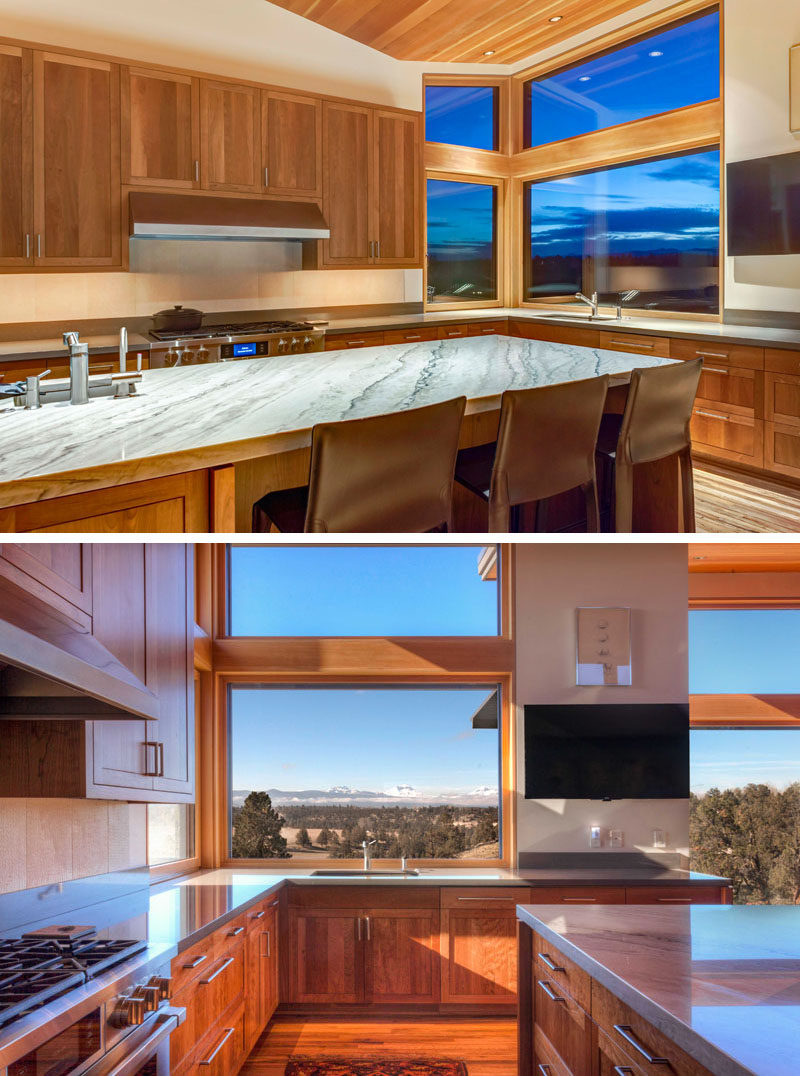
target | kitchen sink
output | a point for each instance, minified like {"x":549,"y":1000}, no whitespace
{"x":576,"y":317}
{"x":364,"y":874}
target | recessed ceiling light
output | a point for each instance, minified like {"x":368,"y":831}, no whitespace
{"x":656,"y":52}
{"x":585,"y":78}
{"x":555,"y":18}
{"x":489,"y":52}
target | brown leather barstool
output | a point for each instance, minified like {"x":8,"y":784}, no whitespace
{"x":545,"y":446}
{"x":655,"y":425}
{"x":388,"y":473}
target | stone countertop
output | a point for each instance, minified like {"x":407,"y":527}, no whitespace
{"x":722,"y":982}
{"x":201,"y":416}
{"x":51,"y":347}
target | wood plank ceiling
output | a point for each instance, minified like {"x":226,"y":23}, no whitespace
{"x":459,"y":31}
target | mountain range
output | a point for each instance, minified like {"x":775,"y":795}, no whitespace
{"x":398,"y":795}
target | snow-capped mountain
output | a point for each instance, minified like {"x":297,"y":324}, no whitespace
{"x":407,"y":795}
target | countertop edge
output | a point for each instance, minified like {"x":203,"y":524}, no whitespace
{"x":698,"y":1047}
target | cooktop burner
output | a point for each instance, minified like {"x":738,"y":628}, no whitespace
{"x":47,"y":963}
{"x":250,"y":328}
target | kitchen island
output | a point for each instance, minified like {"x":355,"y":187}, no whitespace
{"x":685,"y":991}
{"x":196,"y":446}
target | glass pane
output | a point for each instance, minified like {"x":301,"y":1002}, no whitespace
{"x":461,"y":115}
{"x":671,"y":69}
{"x":309,"y":779}
{"x":362,"y":590}
{"x":170,"y":832}
{"x":745,"y":811}
{"x":744,"y":651}
{"x":651,"y":226}
{"x":462,"y":253}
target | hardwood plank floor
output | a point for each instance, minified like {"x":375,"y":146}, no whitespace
{"x":725,"y":504}
{"x":488,"y":1045}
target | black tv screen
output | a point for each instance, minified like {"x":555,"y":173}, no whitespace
{"x":607,"y":751}
{"x":763,"y":200}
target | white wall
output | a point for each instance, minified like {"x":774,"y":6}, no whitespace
{"x":551,"y":582}
{"x":757,"y":42}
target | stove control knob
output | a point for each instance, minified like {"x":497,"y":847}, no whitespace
{"x":184,"y":356}
{"x":202,"y":355}
{"x":282,"y":345}
{"x":172,"y":357}
{"x":128,"y":1011}
{"x":163,"y":985}
{"x":296,"y":343}
{"x":148,"y":995}
{"x":308,"y":343}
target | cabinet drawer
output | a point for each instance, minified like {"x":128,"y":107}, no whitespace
{"x":782,"y":362}
{"x":488,"y":328}
{"x":782,"y":398}
{"x":746,"y":358}
{"x":546,"y":1058}
{"x":673,"y":894}
{"x":362,"y":898}
{"x":727,"y":436}
{"x":579,"y":894}
{"x":550,"y":963}
{"x":344,"y":341}
{"x":640,"y":345}
{"x":485,"y":898}
{"x":223,"y":1051}
{"x":257,"y":918}
{"x":555,"y":334}
{"x":447,"y":332}
{"x":782,"y":449}
{"x":219,"y":987}
{"x":730,"y":389}
{"x":410,"y":336}
{"x":564,"y":1023}
{"x":191,"y":963}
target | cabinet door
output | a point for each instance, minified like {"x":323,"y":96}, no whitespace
{"x":347,"y":132}
{"x":397,"y":189}
{"x":230,"y":151}
{"x":120,"y":759}
{"x":730,"y":388}
{"x":479,"y":958}
{"x":326,"y":961}
{"x":564,"y":1024}
{"x":76,"y":153}
{"x":292,"y":143}
{"x":160,"y":128}
{"x":58,"y":574}
{"x":269,"y":966}
{"x":170,"y":655}
{"x":16,"y":156}
{"x":401,"y":956}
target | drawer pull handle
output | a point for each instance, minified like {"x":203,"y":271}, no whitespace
{"x":579,"y":900}
{"x":354,"y":343}
{"x":198,"y":960}
{"x":673,"y":900}
{"x":505,"y":900}
{"x":228,"y":1032}
{"x":275,"y":904}
{"x":712,"y":414}
{"x":454,"y":332}
{"x":633,"y":343}
{"x":214,"y":974}
{"x":626,"y":1032}
{"x":412,"y":336}
{"x":259,"y":915}
{"x":623,"y":1070}
{"x":711,"y":354}
{"x":235,"y":932}
{"x":715,"y":370}
{"x":553,"y":997}
{"x":545,"y":959}
{"x":545,"y":1070}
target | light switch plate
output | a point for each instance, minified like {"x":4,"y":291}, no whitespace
{"x":595,"y":837}
{"x":616,"y":839}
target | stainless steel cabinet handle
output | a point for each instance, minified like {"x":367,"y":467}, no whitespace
{"x":377,"y":248}
{"x":228,"y":1032}
{"x":197,"y":180}
{"x":27,"y":245}
{"x":269,"y":944}
{"x":545,"y":1070}
{"x":275,"y":904}
{"x":235,"y":932}
{"x":148,"y":772}
{"x":369,"y":932}
{"x":415,"y":336}
{"x":624,"y":1070}
{"x":633,"y":343}
{"x":579,"y":900}
{"x":673,"y":900}
{"x":160,"y":757}
{"x":214,"y":974}
{"x":504,"y":900}
{"x":196,"y":962}
{"x":550,"y":994}
{"x":715,"y":370}
{"x":545,"y":959}
{"x":354,"y":343}
{"x":712,"y":354}
{"x":258,"y":915}
{"x":39,"y":245}
{"x":266,"y":177}
{"x":358,"y":928}
{"x":626,"y":1032}
{"x":712,"y":414}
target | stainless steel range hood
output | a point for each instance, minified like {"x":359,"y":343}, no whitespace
{"x":197,"y":216}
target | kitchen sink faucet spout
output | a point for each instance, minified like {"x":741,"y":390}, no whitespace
{"x":367,"y":857}
{"x":78,"y":369}
{"x":593,"y":302}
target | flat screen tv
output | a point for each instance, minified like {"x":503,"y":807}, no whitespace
{"x":607,"y":752}
{"x":763,"y":199}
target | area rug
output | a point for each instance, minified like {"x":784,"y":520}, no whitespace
{"x":373,"y":1066}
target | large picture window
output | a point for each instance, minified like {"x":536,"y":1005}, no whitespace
{"x":462,"y":241}
{"x":652,"y":226}
{"x":315,"y":770}
{"x":462,"y":116}
{"x":670,"y":69}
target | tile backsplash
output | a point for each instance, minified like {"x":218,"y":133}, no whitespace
{"x":44,"y":841}
{"x":213,"y":276}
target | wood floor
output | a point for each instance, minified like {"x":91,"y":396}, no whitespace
{"x":724,"y":504}
{"x":488,"y":1045}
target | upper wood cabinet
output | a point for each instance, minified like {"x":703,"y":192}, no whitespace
{"x":230,"y":137}
{"x":16,"y":156}
{"x":160,"y":128}
{"x":76,"y":161}
{"x":397,"y":189}
{"x":291,"y":144}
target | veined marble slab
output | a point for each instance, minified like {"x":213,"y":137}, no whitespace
{"x":246,"y":403}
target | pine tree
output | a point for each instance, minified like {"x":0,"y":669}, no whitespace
{"x":303,"y":839}
{"x":324,"y":838}
{"x":257,"y":830}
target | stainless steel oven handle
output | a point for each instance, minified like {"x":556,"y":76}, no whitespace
{"x":162,"y":1025}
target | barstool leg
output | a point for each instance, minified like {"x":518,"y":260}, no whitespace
{"x":623,"y":497}
{"x":592,"y":506}
{"x":687,"y":490}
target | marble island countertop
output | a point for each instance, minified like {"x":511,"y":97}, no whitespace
{"x":202,"y":416}
{"x":722,"y":982}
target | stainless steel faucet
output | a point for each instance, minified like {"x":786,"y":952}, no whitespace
{"x":366,"y":845}
{"x":625,"y":297}
{"x":593,"y":302}
{"x":78,"y":369}
{"x":123,"y":349}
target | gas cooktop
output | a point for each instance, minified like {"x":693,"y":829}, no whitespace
{"x":47,"y":963}
{"x":226,"y":329}
{"x":246,"y":340}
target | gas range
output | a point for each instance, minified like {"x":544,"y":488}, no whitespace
{"x":222,"y":343}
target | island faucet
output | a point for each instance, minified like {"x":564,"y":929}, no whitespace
{"x":78,"y":368}
{"x":625,"y":297}
{"x":593,"y":303}
{"x":366,"y":845}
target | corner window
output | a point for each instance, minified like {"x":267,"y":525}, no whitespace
{"x":462,"y":116}
{"x":652,"y":227}
{"x":170,"y":833}
{"x":462,"y":241}
{"x":670,"y":69}
{"x":310,"y":780}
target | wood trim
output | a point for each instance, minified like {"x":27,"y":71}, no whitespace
{"x":744,"y":711}
{"x":464,"y":161}
{"x":178,"y":868}
{"x":684,"y":129}
{"x":744,"y":590}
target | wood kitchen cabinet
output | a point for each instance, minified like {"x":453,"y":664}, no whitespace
{"x":262,"y":949}
{"x":230,"y":137}
{"x":398,"y":189}
{"x":291,"y":144}
{"x":479,"y":946}
{"x":16,"y":157}
{"x":401,"y":955}
{"x":160,"y":128}
{"x":324,"y":945}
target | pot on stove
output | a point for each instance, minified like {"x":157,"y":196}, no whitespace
{"x":177,"y":319}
